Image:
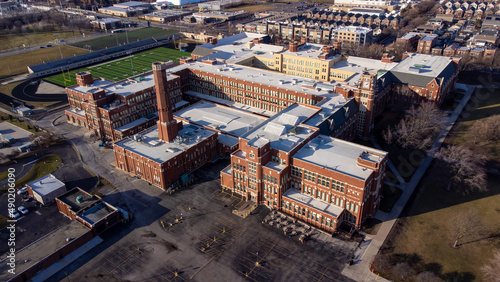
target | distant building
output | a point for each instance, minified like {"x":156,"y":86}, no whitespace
{"x":491,"y":21}
{"x":126,"y":9}
{"x":165,"y":16}
{"x":426,"y":43}
{"x":107,"y":23}
{"x":219,"y":5}
{"x":364,"y":3}
{"x":349,"y":35}
{"x":215,"y":16}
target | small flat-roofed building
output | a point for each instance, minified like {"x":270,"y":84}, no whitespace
{"x":89,"y":209}
{"x":35,"y":260}
{"x":99,"y":217}
{"x":75,"y":201}
{"x":46,"y":189}
{"x":426,"y":43}
{"x":23,"y":111}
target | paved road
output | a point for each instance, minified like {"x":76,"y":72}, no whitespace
{"x":71,"y":172}
{"x":360,"y":271}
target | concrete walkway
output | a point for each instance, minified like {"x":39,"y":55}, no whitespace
{"x":360,"y":271}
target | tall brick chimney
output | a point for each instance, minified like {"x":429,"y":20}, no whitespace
{"x":292,"y":46}
{"x":303,"y":40}
{"x":167,"y":126}
{"x":337,"y":45}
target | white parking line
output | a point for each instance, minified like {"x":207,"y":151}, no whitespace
{"x":39,"y":213}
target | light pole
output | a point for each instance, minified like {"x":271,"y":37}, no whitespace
{"x":131,"y":63}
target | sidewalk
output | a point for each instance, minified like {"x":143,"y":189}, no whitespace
{"x":361,"y":271}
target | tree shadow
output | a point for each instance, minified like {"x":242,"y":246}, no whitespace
{"x":456,"y":276}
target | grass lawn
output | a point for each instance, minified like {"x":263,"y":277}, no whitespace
{"x":42,"y":167}
{"x":12,"y":41}
{"x":252,"y":8}
{"x":17,"y":64}
{"x":4,"y":175}
{"x":122,"y":69}
{"x":16,"y":122}
{"x":135,"y":35}
{"x":425,"y":231}
{"x":486,"y":104}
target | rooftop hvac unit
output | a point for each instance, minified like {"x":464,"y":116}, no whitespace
{"x":137,"y":137}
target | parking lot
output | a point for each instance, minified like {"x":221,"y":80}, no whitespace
{"x":192,"y":234}
{"x":33,"y":225}
{"x":20,"y":136}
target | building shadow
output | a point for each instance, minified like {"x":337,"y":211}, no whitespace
{"x":144,"y":209}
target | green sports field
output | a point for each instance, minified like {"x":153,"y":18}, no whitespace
{"x":122,"y":68}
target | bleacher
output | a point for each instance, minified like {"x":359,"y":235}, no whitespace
{"x":95,"y":56}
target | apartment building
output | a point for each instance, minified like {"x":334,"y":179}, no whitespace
{"x":351,"y":36}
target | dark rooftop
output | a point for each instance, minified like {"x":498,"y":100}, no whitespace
{"x":69,"y":198}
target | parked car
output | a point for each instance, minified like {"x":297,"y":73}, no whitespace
{"x":22,"y":209}
{"x":14,"y":214}
{"x":22,"y":190}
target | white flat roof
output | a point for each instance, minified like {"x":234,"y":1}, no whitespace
{"x":232,"y":104}
{"x":132,"y":85}
{"x":46,"y":185}
{"x":309,"y":50}
{"x":234,"y":48}
{"x":220,"y":117}
{"x":313,"y":202}
{"x":98,"y":83}
{"x":77,"y":112}
{"x":353,"y":29}
{"x":283,"y":130}
{"x":359,"y":65}
{"x":260,"y":76}
{"x":337,"y":155}
{"x":159,"y":151}
{"x":434,"y":65}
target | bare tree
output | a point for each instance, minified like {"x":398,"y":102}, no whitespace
{"x":492,"y":268}
{"x":466,"y":225}
{"x":427,"y":276}
{"x":3,"y":157}
{"x":464,"y":168}
{"x":402,"y":271}
{"x":418,"y":128}
{"x":486,"y":130}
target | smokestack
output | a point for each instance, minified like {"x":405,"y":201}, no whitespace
{"x":167,"y":126}
{"x":293,"y":46}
